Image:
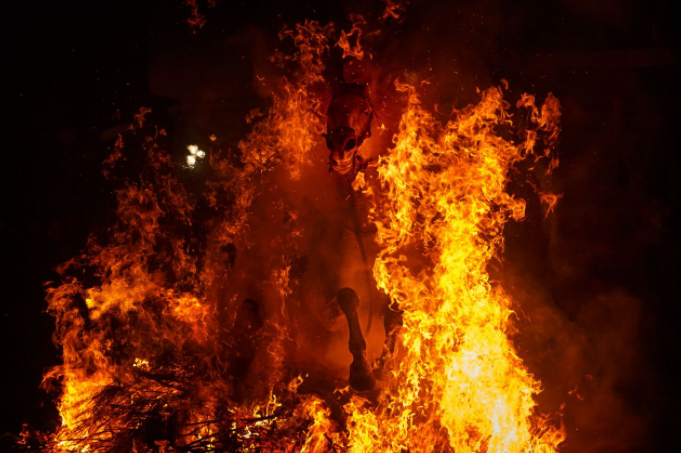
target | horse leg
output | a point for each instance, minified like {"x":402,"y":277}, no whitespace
{"x":361,"y":378}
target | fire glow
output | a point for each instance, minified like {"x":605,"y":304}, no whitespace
{"x":165,"y":349}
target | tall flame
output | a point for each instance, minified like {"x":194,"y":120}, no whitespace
{"x":141,"y":316}
{"x":456,"y":379}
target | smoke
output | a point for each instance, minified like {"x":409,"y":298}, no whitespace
{"x":592,"y":365}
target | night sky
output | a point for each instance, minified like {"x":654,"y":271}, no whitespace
{"x":608,"y":260}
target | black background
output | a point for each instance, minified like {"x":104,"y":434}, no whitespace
{"x":72,"y":66}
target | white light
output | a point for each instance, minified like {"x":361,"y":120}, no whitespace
{"x":194,"y":154}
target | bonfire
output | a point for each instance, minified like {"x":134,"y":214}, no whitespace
{"x":324,"y":287}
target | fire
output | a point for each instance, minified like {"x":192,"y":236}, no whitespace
{"x":393,"y":9}
{"x":455,"y":379}
{"x":358,"y":24}
{"x":550,"y":200}
{"x":155,"y":331}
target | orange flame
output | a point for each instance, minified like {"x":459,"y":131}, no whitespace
{"x":358,"y":25}
{"x":393,"y":9}
{"x":550,"y":200}
{"x":150,"y":326}
{"x":456,"y":380}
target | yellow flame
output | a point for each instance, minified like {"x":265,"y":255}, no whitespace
{"x":456,"y":380}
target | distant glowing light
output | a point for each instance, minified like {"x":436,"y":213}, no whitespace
{"x":194,"y":154}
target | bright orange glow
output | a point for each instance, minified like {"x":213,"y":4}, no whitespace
{"x":455,"y":379}
{"x":153,"y":324}
{"x":344,"y":42}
